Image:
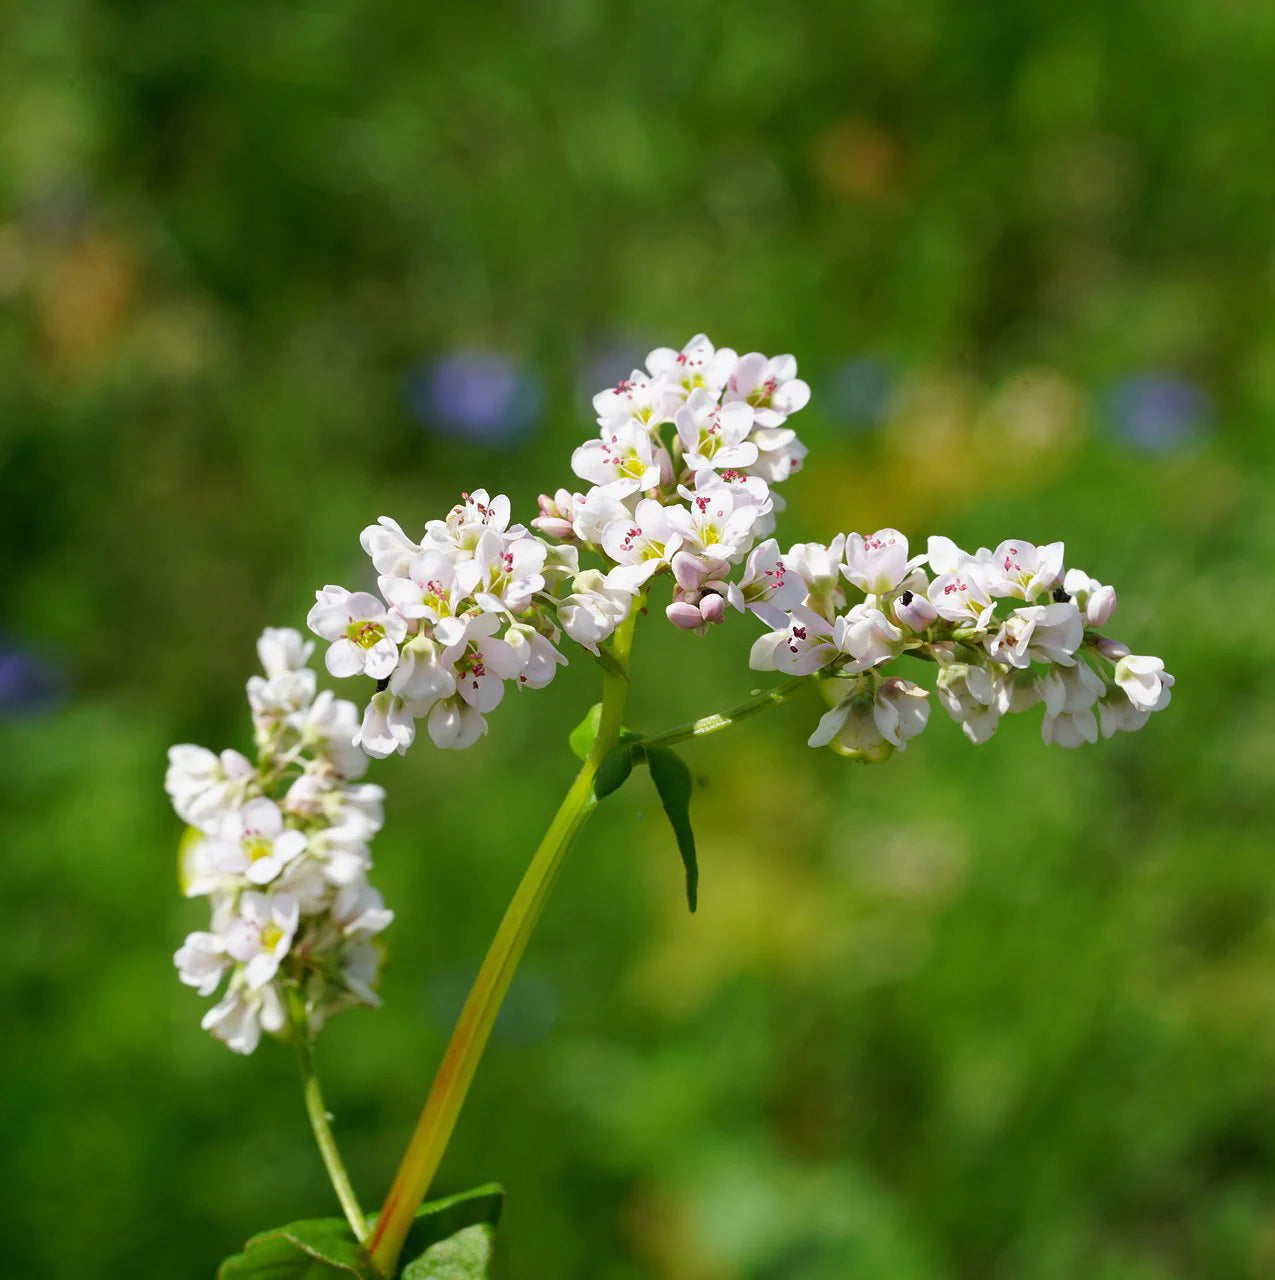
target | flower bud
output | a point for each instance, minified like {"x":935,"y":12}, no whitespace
{"x":1112,"y":650}
{"x":914,"y":611}
{"x":713,"y":608}
{"x":683,"y":614}
{"x":1100,"y":606}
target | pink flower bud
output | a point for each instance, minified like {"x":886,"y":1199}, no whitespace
{"x":684,"y":615}
{"x":688,"y":570}
{"x":914,"y":611}
{"x":1112,"y":650}
{"x":1100,"y":606}
{"x":713,"y":608}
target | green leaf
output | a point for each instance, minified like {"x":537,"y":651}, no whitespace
{"x":608,"y":662}
{"x":614,"y":769}
{"x":437,"y":1221}
{"x":673,"y":781}
{"x":450,"y":1239}
{"x":464,"y":1256}
{"x":585,"y":734}
{"x":316,"y":1249}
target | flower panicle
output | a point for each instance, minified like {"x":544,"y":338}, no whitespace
{"x":280,"y":849}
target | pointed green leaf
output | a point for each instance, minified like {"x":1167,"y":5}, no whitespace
{"x":450,"y":1239}
{"x":464,"y":1256}
{"x":614,"y":770}
{"x":437,"y":1221}
{"x":608,"y":662}
{"x":585,"y":734}
{"x":316,"y":1249}
{"x":673,"y":782}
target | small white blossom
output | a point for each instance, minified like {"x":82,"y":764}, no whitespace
{"x":1145,"y":682}
{"x":770,"y":386}
{"x":365,"y":635}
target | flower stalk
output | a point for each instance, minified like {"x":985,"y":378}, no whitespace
{"x":321,"y":1123}
{"x":469,"y":1038}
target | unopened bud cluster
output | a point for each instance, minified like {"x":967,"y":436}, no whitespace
{"x":280,"y":849}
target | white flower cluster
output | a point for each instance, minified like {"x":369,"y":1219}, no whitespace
{"x":681,"y":474}
{"x":1007,"y":629}
{"x":280,"y":849}
{"x":681,"y":477}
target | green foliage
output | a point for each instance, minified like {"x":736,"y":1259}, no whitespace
{"x":450,"y":1239}
{"x":673,"y":782}
{"x":585,"y":734}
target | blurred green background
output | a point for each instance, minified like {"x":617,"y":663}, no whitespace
{"x":269,"y":271}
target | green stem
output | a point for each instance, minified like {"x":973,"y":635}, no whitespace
{"x":720,"y":720}
{"x":321,"y":1123}
{"x":438,"y":1118}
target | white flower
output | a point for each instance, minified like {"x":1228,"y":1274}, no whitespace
{"x":201,"y":960}
{"x":455,"y":724}
{"x":424,"y":672}
{"x":365,"y":636}
{"x":697,"y":366}
{"x":767,"y":587}
{"x":961,"y":597}
{"x":770,"y":386}
{"x":279,"y":696}
{"x":1070,"y":728}
{"x":1069,"y":695}
{"x":1066,"y":690}
{"x":713,"y":435}
{"x":622,"y":462}
{"x":914,"y":611}
{"x":1023,"y":570}
{"x":1116,"y":714}
{"x":714,"y":521}
{"x":261,"y":934}
{"x":1098,"y":602}
{"x":637,"y":398}
{"x":243,"y":1013}
{"x":283,"y":649}
{"x":468,"y":520}
{"x":251,"y":843}
{"x":391,"y":550}
{"x":640,"y":544}
{"x":327,"y":729}
{"x":779,"y":453}
{"x":868,"y":636}
{"x":539,"y":660}
{"x":805,"y":647}
{"x":594,"y":512}
{"x":388,"y":726}
{"x":432,"y":587}
{"x":202,"y":785}
{"x":974,"y":697}
{"x":359,"y":910}
{"x":946,"y":557}
{"x":510,"y":572}
{"x":878,"y":563}
{"x":864,"y":721}
{"x":1145,"y":682}
{"x":1039,"y":633}
{"x":594,"y":609}
{"x":818,"y":565}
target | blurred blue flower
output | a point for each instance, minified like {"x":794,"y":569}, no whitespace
{"x":475,"y":395}
{"x":1159,"y":412}
{"x":29,"y":684}
{"x":858,"y":392}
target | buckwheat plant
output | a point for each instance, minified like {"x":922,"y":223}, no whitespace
{"x":679,"y":483}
